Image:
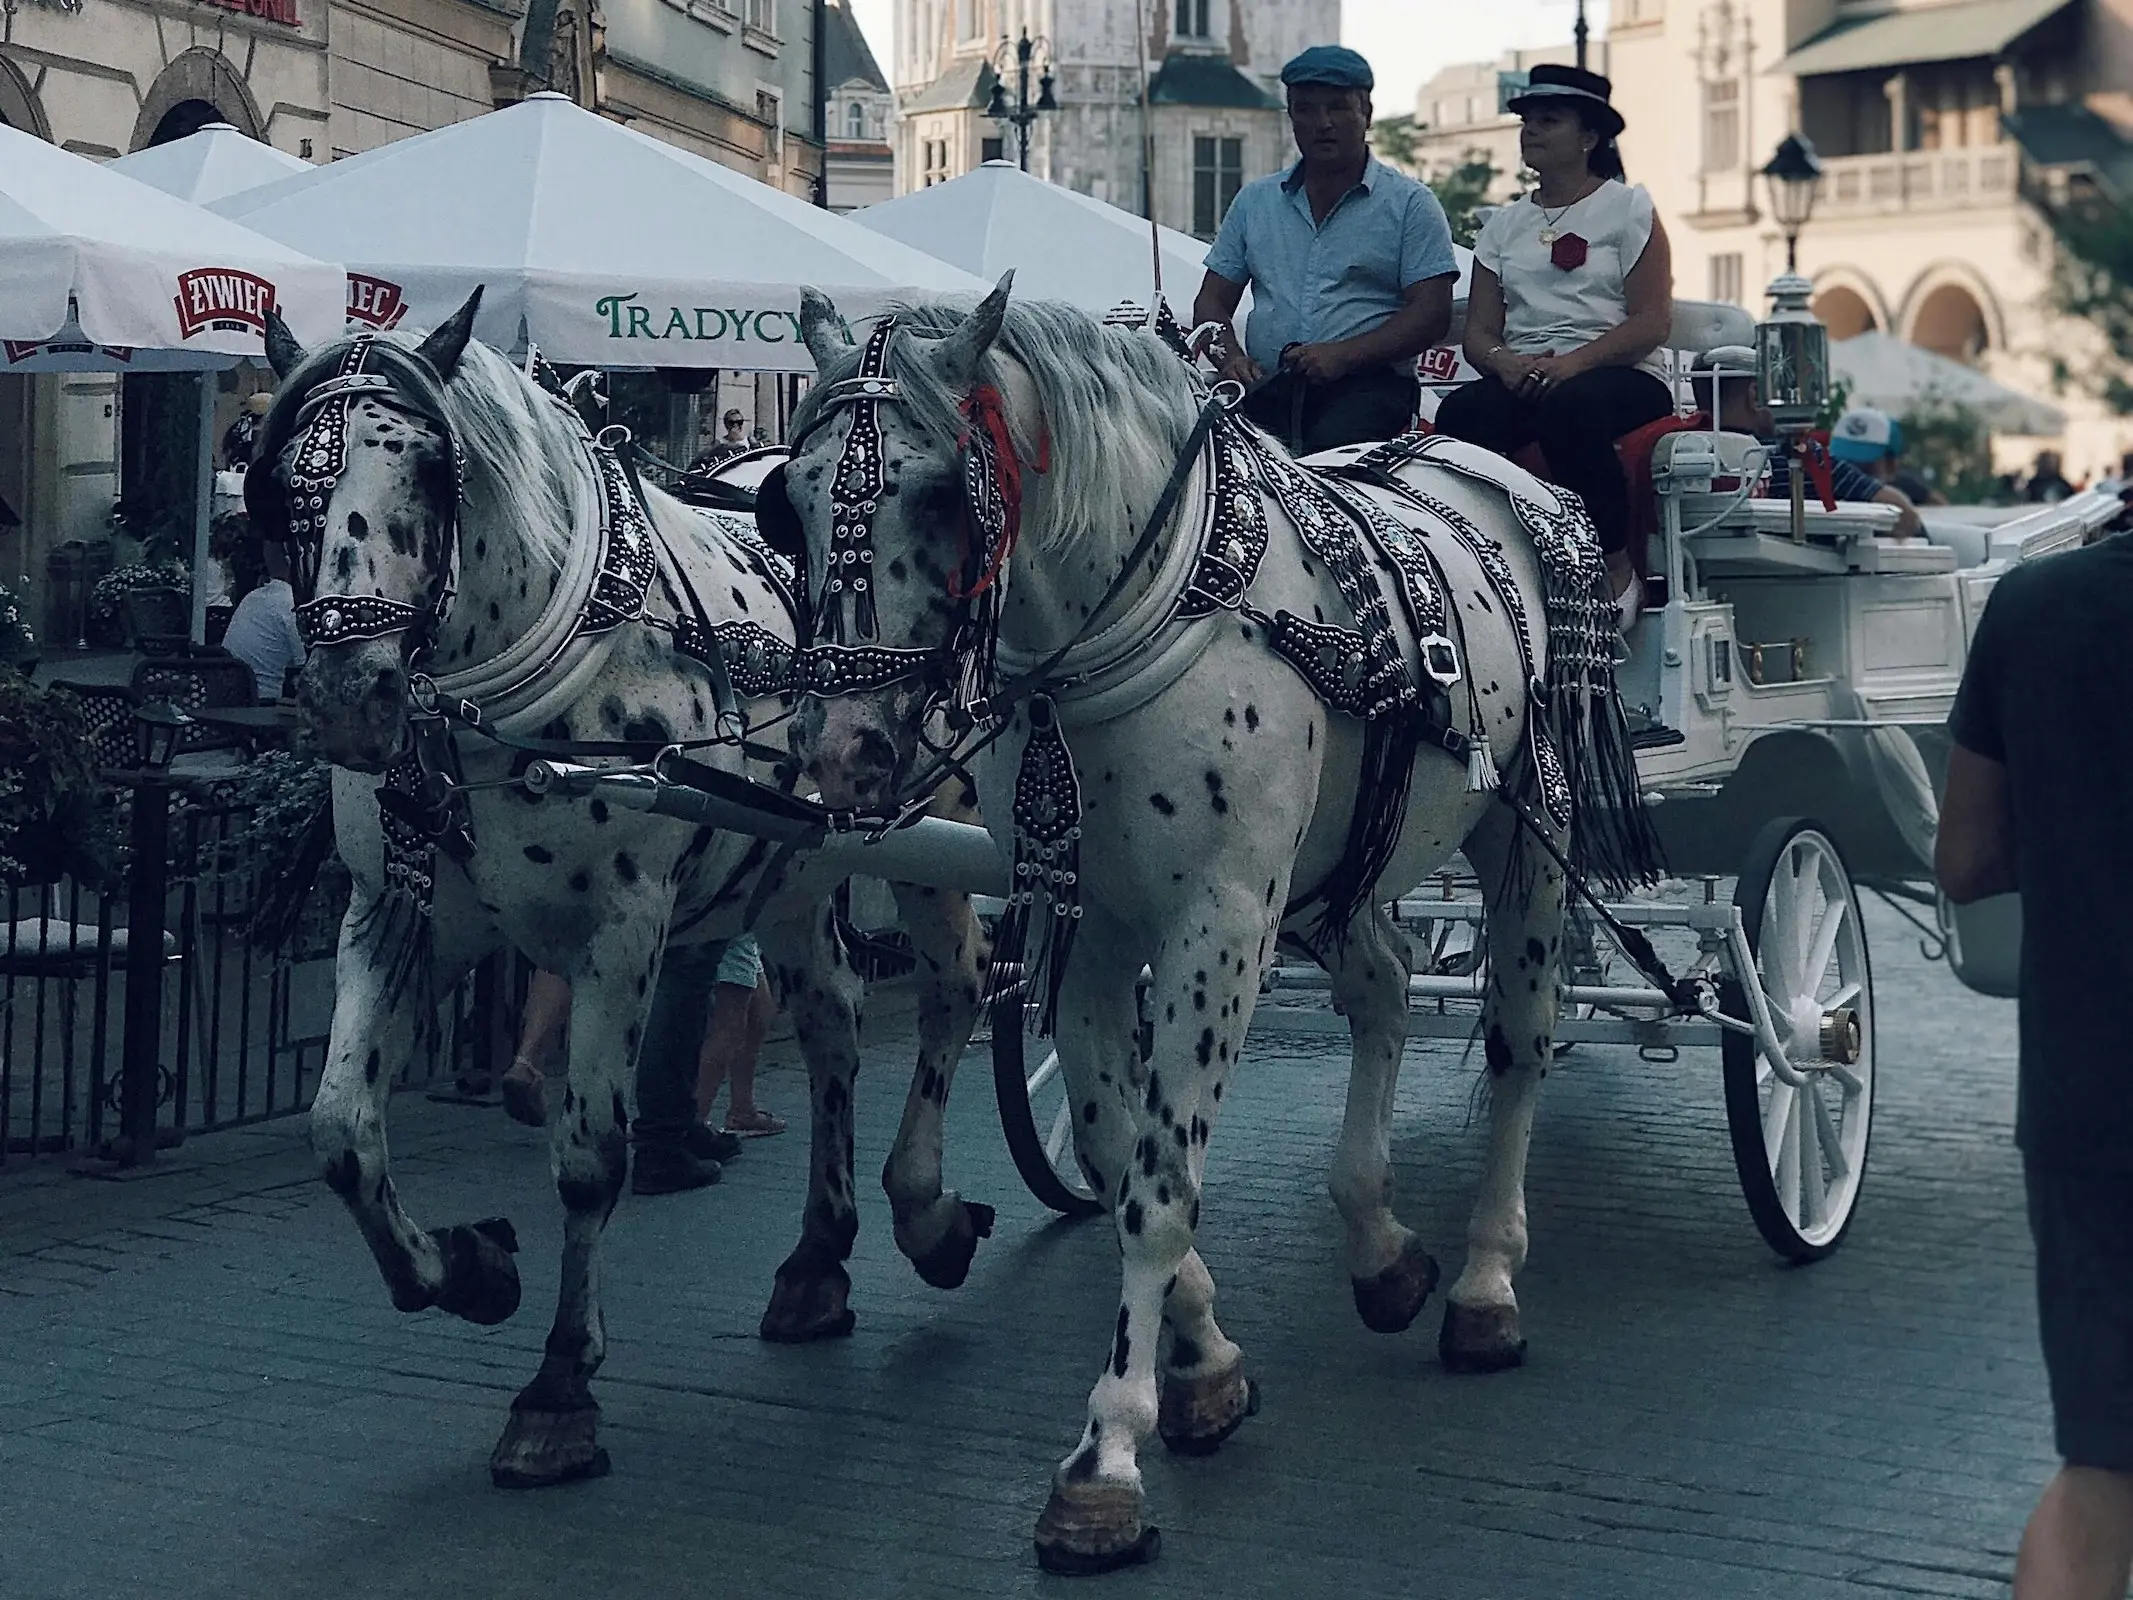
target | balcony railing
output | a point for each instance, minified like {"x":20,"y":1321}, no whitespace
{"x":1919,"y":180}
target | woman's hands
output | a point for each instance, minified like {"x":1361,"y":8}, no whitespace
{"x":1531,"y":377}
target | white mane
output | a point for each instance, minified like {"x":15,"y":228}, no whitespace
{"x":1117,"y":404}
{"x":522,"y":455}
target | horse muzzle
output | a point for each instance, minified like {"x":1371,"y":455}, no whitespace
{"x":352,"y":699}
{"x":849,"y":754}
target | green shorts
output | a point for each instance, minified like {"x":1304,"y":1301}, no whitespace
{"x":2085,"y":1309}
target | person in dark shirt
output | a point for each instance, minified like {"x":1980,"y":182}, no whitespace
{"x":2036,"y":804}
{"x":1741,"y":410}
{"x":2047,"y":483}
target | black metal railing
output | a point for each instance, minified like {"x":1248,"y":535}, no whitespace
{"x":195,"y":1025}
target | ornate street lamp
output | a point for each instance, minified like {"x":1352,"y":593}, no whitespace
{"x":1794,"y":181}
{"x":1024,"y":112}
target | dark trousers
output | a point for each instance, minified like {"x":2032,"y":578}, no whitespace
{"x":673,"y":1038}
{"x":1576,"y":425}
{"x":1358,"y":409}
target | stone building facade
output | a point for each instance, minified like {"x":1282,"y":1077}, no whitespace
{"x":859,"y":159}
{"x":1211,"y":69}
{"x":734,"y":80}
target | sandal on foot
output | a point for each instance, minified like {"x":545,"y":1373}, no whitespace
{"x":525,"y":1092}
{"x":754,"y":1124}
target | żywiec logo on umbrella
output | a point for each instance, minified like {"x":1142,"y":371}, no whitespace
{"x":375,"y":302}
{"x":224,"y":300}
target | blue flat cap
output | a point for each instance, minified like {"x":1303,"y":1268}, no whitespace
{"x":1332,"y":64}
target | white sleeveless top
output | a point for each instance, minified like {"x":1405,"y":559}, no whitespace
{"x":1547,"y":308}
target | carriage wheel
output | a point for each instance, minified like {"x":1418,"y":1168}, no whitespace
{"x":1036,"y":1113}
{"x":1801,"y":1151}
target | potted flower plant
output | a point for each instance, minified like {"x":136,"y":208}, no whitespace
{"x":53,"y":819}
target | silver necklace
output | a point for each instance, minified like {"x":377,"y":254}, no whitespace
{"x":1548,"y":233}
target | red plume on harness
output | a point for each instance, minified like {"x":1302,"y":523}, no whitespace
{"x":993,"y":481}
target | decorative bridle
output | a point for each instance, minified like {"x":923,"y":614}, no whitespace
{"x":844,"y":657}
{"x":321,"y":459}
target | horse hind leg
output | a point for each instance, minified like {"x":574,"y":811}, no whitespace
{"x":1389,"y":1271}
{"x":552,"y":1435}
{"x":1482,"y":1330}
{"x":811,"y":1297}
{"x":937,"y":1230}
{"x":383,"y":1013}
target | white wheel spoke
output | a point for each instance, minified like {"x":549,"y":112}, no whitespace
{"x":1849,"y":1077}
{"x":1778,"y":950}
{"x":1043,"y":1075}
{"x":1055,"y":1142}
{"x":1785,"y":1152}
{"x":1780,"y":1009}
{"x":1826,"y":1134}
{"x":1776,"y":1117}
{"x":1843,"y":997}
{"x":1806,"y":1168}
{"x":1823,"y":947}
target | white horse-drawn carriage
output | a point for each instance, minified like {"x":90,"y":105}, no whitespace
{"x":1790,"y":695}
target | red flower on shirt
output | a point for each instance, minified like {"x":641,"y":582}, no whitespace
{"x":1568,"y":252}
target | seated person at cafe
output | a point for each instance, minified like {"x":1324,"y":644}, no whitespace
{"x":1741,"y":410}
{"x":1872,"y":440}
{"x":262,"y":631}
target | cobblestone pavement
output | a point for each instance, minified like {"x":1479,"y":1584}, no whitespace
{"x":205,"y":1392}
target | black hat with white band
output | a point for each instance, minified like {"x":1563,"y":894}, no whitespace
{"x":1552,"y":86}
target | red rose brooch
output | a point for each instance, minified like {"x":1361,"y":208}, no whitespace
{"x":1568,"y":252}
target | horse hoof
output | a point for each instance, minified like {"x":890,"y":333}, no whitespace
{"x":947,"y":1264}
{"x":480,"y":1278}
{"x":804,"y":1309}
{"x":1088,"y":1528}
{"x":540,"y":1449}
{"x":1196,"y":1416}
{"x":1390,"y":1302}
{"x":1480,"y":1338}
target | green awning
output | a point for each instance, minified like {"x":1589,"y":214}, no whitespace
{"x":1959,"y":32}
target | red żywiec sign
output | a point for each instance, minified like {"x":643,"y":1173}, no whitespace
{"x":281,"y":11}
{"x":375,"y":302}
{"x":223,"y":299}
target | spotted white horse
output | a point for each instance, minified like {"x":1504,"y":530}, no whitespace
{"x":1220,"y":726}
{"x":470,"y":550}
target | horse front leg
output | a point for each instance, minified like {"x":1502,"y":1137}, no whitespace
{"x":1205,"y":985}
{"x":811,"y":1298}
{"x":552,"y":1436}
{"x":938,"y":1231}
{"x":384,"y":1010}
{"x":1524,"y":888}
{"x":1390,"y":1272}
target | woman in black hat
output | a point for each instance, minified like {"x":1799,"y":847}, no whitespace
{"x":1572,"y":298}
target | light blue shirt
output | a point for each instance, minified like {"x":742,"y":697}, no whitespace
{"x":1314,"y":283}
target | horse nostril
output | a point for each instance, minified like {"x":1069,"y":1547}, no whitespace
{"x":390,"y":686}
{"x":872,"y":751}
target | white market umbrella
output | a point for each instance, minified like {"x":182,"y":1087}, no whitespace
{"x":1061,"y":245}
{"x":125,"y":267}
{"x":600,"y":245}
{"x":209,"y":165}
{"x":1897,"y":376}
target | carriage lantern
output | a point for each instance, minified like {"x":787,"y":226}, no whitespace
{"x":1792,"y":373}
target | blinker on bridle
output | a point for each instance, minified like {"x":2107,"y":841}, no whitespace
{"x":321,"y":459}
{"x":846,"y":661}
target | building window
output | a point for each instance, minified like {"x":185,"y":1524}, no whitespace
{"x":1217,"y":175}
{"x":1726,"y":277}
{"x":934,"y":162}
{"x":855,"y":121}
{"x":994,"y":149}
{"x":1192,"y":19}
{"x":1721,"y":126}
{"x":970,"y":21}
{"x":761,"y":14}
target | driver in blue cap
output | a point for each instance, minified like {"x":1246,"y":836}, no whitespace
{"x":1350,"y":266}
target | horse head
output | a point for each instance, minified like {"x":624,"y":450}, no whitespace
{"x":360,"y":473}
{"x":881,"y":507}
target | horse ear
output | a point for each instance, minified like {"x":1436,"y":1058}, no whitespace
{"x":821,"y":329}
{"x":963,"y":349}
{"x":284,"y":354}
{"x":443,"y":348}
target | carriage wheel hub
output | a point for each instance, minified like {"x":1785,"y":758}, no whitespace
{"x":1841,"y":1039}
